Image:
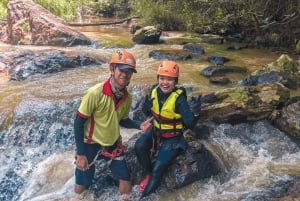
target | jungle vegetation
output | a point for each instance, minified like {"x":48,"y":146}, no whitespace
{"x":270,"y":22}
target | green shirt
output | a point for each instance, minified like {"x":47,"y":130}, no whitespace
{"x":104,"y":114}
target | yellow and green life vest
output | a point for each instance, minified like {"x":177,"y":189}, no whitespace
{"x":166,"y":120}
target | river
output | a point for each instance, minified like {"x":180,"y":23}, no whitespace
{"x":37,"y":142}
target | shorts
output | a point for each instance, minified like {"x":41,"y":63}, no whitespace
{"x":118,"y":168}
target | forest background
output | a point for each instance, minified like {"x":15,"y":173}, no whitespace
{"x":267,"y":24}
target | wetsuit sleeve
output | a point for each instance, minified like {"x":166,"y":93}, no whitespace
{"x":147,"y":105}
{"x":183,"y":108}
{"x":148,"y":102}
{"x":79,"y":134}
{"x":129,"y":123}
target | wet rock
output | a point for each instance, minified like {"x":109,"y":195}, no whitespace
{"x":146,"y":35}
{"x":221,"y":80}
{"x":194,"y":48}
{"x":293,"y":192}
{"x":22,"y":64}
{"x":31,"y":24}
{"x":284,"y":70}
{"x":217,"y":60}
{"x":288,"y":119}
{"x":197,"y":163}
{"x":170,"y":54}
{"x":275,"y":190}
{"x":220,"y":70}
{"x":3,"y":26}
{"x":240,"y":104}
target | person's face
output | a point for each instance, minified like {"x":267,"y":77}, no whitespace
{"x":166,"y":83}
{"x":121,"y":77}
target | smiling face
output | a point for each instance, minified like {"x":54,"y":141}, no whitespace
{"x":166,"y":83}
{"x":121,"y":77}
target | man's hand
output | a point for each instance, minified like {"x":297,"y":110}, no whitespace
{"x":82,"y":162}
{"x":146,"y":126}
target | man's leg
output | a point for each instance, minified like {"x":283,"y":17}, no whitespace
{"x":124,"y":187}
{"x":83,"y":179}
{"x":120,"y":172}
{"x":79,"y":188}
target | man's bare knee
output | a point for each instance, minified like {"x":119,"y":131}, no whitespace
{"x":79,"y":188}
{"x":125,"y":187}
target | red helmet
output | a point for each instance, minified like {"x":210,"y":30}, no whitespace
{"x":124,"y":60}
{"x":168,"y":68}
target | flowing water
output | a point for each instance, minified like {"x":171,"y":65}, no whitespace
{"x":37,"y":142}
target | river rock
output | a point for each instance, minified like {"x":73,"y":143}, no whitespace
{"x":283,"y":70}
{"x":171,"y":54}
{"x":196,"y":164}
{"x":288,"y":118}
{"x":30,"y":24}
{"x":220,"y":70}
{"x":22,"y":64}
{"x":195,"y":49}
{"x":217,"y":60}
{"x":243,"y":104}
{"x":146,"y":35}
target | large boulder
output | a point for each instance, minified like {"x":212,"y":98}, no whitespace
{"x":243,"y":104}
{"x":284,"y":70}
{"x":198,"y":163}
{"x":31,"y":24}
{"x":146,"y":35}
{"x":22,"y":64}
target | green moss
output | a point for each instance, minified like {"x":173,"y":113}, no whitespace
{"x":237,"y":95}
{"x":273,"y":92}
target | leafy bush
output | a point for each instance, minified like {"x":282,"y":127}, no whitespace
{"x":3,"y":9}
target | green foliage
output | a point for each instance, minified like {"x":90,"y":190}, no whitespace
{"x":111,"y":8}
{"x":65,"y":9}
{"x":248,"y":18}
{"x":164,"y":16}
{"x":3,"y":9}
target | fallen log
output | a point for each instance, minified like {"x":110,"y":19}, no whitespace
{"x":104,"y":22}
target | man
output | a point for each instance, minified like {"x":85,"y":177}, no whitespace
{"x":104,"y":107}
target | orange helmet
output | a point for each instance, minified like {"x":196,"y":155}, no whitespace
{"x":124,"y":60}
{"x":168,"y":68}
